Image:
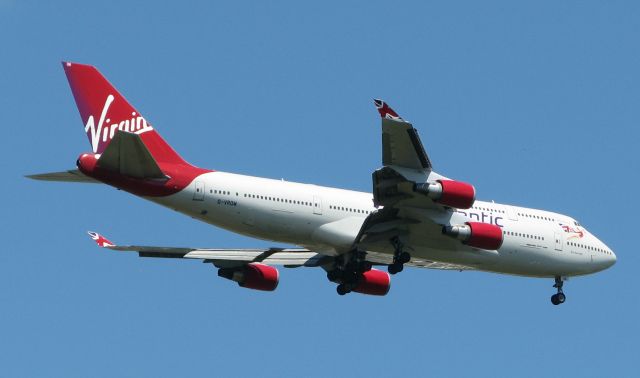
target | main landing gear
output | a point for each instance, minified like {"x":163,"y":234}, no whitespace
{"x":558,"y":298}
{"x":400,"y":257}
{"x":348,"y":272}
{"x":343,"y":289}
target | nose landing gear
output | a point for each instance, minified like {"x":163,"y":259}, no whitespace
{"x":400,"y":257}
{"x":559,"y":297}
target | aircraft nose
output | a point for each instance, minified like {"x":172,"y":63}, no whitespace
{"x":608,"y":260}
{"x":612,"y":258}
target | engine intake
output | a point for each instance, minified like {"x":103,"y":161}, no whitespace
{"x":374,"y":282}
{"x":253,"y":276}
{"x":450,"y":193}
{"x":476,"y":234}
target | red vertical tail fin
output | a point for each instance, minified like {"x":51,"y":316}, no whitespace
{"x":104,"y":111}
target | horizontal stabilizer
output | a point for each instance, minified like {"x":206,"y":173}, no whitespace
{"x":72,"y":175}
{"x":128,"y":156}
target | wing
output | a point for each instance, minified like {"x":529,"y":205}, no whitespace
{"x":289,"y":257}
{"x":401,"y":144}
{"x":407,"y":169}
{"x":407,"y":176}
{"x":414,"y":201}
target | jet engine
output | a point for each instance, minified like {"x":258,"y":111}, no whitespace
{"x":253,"y":276}
{"x":374,"y":282}
{"x":476,"y":234}
{"x":450,"y":193}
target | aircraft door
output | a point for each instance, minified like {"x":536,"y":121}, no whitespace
{"x":198,"y":195}
{"x":317,"y":205}
{"x":558,"y":239}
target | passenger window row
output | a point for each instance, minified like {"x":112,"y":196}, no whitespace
{"x":216,"y":191}
{"x":536,"y":217}
{"x":351,"y":210}
{"x":590,"y":248}
{"x":488,"y":209}
{"x":278,"y":199}
{"x":522,"y":235}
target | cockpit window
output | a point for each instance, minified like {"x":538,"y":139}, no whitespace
{"x":577,"y":224}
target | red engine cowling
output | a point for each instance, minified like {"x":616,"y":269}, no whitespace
{"x":253,"y":276}
{"x":374,"y":282}
{"x":477,"y":234}
{"x":450,"y":193}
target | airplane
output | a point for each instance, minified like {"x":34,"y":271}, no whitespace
{"x":413,"y":216}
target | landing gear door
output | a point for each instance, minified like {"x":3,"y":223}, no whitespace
{"x":558,"y":241}
{"x":317,"y":205}
{"x":198,"y":194}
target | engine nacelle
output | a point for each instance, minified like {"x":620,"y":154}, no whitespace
{"x":477,"y":234}
{"x":450,"y":193}
{"x":253,"y":276}
{"x":374,"y":282}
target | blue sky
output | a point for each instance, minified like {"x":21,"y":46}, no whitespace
{"x":535,"y":104}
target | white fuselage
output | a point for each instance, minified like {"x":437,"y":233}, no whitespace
{"x":536,"y":242}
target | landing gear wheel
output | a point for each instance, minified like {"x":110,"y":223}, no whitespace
{"x":559,"y":297}
{"x":342,"y":289}
{"x":395,"y":268}
{"x":399,"y":256}
{"x":404,"y":257}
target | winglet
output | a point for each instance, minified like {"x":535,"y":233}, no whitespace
{"x":100,"y":240}
{"x":386,"y":111}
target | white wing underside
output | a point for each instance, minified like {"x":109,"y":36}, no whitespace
{"x":290,"y":257}
{"x":273,"y":256}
